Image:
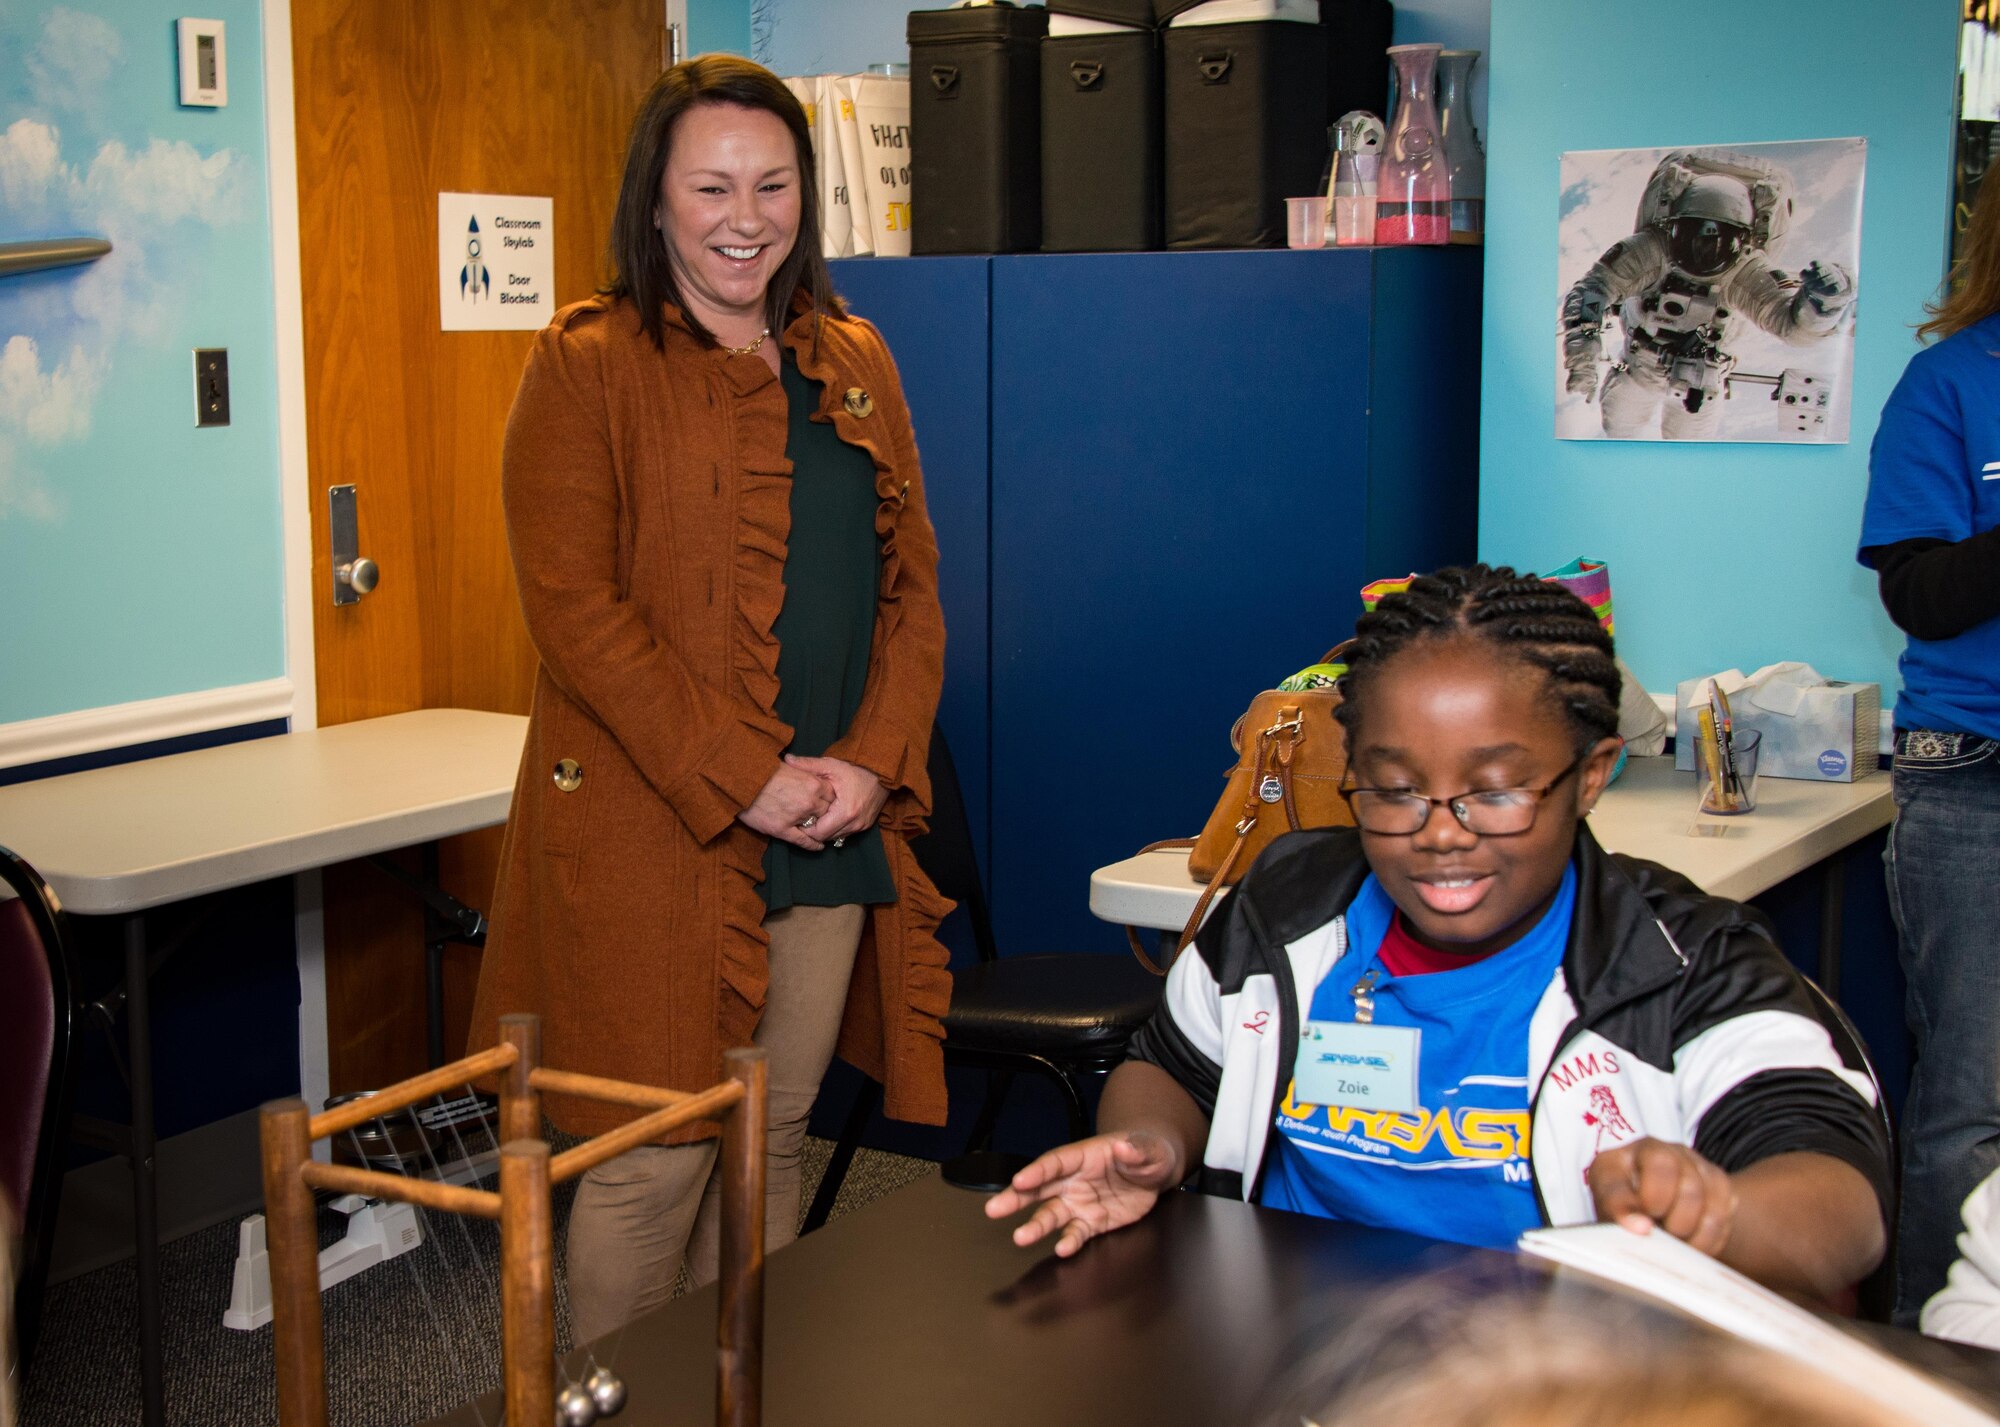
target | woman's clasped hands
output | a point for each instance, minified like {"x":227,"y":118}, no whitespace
{"x":816,"y":802}
{"x":858,"y":796}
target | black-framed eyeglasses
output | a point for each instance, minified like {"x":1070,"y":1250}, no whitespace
{"x":1495,"y":812}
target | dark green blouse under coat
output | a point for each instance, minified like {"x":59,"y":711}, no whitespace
{"x":833,"y":572}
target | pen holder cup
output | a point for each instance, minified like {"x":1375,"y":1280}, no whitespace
{"x":1736,"y":790}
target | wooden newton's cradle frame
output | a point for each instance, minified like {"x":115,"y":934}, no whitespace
{"x":527,"y":1251}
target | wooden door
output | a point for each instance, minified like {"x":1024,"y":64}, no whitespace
{"x":398,"y":100}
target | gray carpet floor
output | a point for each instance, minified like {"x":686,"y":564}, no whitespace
{"x":405,"y":1341}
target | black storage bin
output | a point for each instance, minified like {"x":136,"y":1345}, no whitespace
{"x":1137,"y":13}
{"x":1101,"y":132}
{"x":1358,"y":36}
{"x":1245,"y":129}
{"x":976,"y":129}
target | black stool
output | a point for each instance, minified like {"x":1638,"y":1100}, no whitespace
{"x":1062,"y":1014}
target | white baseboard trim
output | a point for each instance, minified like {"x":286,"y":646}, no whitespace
{"x":37,"y":740}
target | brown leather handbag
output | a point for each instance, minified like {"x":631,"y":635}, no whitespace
{"x":1291,"y":758}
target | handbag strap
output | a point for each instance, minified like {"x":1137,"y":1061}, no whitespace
{"x":1245,"y":822}
{"x":1170,"y":844}
{"x":1285,"y":734}
{"x":1201,"y":905}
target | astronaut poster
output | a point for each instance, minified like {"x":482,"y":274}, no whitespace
{"x":1708,"y":294}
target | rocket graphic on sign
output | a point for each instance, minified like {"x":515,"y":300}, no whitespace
{"x":473,"y":279}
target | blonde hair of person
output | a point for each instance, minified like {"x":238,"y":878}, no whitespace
{"x":1509,"y":1348}
{"x":1971,"y":290}
{"x":1590,"y":1380}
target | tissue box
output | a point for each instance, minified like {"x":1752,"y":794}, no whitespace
{"x":1812,"y":727}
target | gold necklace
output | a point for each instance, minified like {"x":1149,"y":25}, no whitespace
{"x":748,"y":349}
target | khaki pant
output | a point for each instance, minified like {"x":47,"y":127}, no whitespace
{"x":636,"y":1215}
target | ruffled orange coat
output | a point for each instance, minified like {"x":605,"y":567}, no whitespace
{"x":648,"y":507}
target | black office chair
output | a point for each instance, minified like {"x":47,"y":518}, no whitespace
{"x":1062,"y":1015}
{"x":38,"y":1019}
{"x":1875,"y":1295}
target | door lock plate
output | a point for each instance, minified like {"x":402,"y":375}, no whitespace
{"x":354,"y":574}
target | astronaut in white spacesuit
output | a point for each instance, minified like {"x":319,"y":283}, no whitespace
{"x":1701,"y":255}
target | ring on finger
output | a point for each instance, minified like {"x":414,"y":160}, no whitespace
{"x":805,"y":823}
{"x":840,"y":842}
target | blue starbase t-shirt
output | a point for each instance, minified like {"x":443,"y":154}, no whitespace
{"x":1934,"y":472}
{"x":1458,"y":1167}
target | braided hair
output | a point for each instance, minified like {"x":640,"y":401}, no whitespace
{"x":1525,"y":617}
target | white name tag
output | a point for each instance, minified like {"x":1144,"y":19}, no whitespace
{"x":1367,"y":1067}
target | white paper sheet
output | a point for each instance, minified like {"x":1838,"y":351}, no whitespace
{"x":882,"y":122}
{"x":846,"y":130}
{"x":836,"y":213}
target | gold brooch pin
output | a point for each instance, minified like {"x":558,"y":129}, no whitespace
{"x":859,"y":403}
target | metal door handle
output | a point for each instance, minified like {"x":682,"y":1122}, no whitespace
{"x":354,"y":574}
{"x":358,"y":575}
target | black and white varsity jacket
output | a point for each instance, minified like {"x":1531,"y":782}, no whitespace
{"x":1673,"y":1016}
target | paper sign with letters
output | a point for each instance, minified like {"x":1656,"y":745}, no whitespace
{"x":496,"y":262}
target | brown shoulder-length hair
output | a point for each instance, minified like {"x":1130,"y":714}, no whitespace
{"x":637,"y":254}
{"x":1971,"y":291}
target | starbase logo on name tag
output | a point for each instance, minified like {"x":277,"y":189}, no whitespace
{"x":1367,"y":1067}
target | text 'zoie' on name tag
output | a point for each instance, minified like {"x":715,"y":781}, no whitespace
{"x":1366,"y":1067}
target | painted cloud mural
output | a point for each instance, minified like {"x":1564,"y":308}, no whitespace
{"x":65,"y":171}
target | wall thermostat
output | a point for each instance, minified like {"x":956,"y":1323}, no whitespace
{"x":204,"y":68}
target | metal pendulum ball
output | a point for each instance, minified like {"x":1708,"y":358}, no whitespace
{"x":575,"y":1407}
{"x":607,"y":1390}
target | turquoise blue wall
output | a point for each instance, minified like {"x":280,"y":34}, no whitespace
{"x":138,"y":556}
{"x":1457,"y":25}
{"x":834,"y":36}
{"x":719,"y":25}
{"x":1720,"y":554}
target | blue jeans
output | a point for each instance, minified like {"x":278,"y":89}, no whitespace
{"x":1944,"y":889}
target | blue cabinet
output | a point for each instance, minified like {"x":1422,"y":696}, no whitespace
{"x":1159,"y":480}
{"x":933,"y":312}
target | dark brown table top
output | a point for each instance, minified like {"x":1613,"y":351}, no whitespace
{"x":918,"y":1310}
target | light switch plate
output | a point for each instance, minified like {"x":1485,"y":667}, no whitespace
{"x":204,"y":64}
{"x":211,"y":386}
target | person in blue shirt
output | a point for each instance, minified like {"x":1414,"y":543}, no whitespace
{"x":1931,"y":530}
{"x":1463,"y":1018}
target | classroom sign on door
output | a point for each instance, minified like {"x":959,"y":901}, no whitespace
{"x":496,"y":262}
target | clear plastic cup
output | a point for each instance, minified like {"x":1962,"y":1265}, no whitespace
{"x":1736,"y":791}
{"x":1354,"y":220}
{"x":1305,"y":222}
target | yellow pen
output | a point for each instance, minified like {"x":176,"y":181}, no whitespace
{"x":1711,"y":758}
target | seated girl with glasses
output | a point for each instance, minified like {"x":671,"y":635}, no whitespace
{"x":1463,"y":1018}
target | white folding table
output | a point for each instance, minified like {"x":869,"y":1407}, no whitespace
{"x":1647,"y":813}
{"x":118,"y":842}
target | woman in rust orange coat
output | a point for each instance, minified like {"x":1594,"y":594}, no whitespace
{"x":717,"y":523}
